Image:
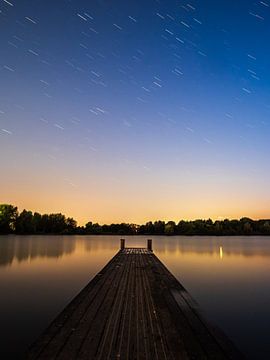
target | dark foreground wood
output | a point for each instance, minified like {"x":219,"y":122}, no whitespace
{"x":133,"y":309}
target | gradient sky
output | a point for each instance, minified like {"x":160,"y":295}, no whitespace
{"x":135,"y":110}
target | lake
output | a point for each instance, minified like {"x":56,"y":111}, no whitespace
{"x":227,"y":276}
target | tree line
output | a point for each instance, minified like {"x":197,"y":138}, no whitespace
{"x":27,"y":222}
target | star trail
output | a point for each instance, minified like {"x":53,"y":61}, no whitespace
{"x":135,"y":110}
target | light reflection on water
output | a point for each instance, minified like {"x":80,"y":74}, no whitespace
{"x":228,"y":276}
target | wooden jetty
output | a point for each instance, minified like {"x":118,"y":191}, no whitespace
{"x":134,"y":308}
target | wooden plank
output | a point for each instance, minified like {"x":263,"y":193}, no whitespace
{"x":214,"y":343}
{"x":133,"y":309}
{"x":91,"y":327}
{"x":143,"y":351}
{"x":127,"y":331}
{"x":74,"y":310}
{"x":154,"y":328}
{"x":106,"y":346}
{"x":171,"y":338}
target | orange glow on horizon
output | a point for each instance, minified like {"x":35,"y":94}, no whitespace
{"x":115,"y":210}
{"x":133,"y":198}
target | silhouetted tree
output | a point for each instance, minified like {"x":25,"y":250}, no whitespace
{"x":71,"y":225}
{"x":24,"y":223}
{"x":170,"y":228}
{"x":266,"y":227}
{"x":159,"y":227}
{"x":37,"y":222}
{"x":93,"y":229}
{"x":8,"y":216}
{"x":27,"y":223}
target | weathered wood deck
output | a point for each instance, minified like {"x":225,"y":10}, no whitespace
{"x":133,"y":309}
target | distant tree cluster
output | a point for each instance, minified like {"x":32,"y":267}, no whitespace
{"x":244,"y":226}
{"x":11,"y":221}
{"x":26,"y":222}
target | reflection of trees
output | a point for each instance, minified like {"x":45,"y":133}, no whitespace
{"x":100,"y":242}
{"x":7,"y":245}
{"x":29,"y":247}
{"x":237,"y":245}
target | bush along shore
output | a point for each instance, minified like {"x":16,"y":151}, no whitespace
{"x":27,"y":222}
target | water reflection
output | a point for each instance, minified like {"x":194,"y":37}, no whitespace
{"x":220,"y":252}
{"x":244,"y":246}
{"x":27,"y":248}
{"x":228,"y":276}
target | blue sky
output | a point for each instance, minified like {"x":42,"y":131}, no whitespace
{"x":134,"y":111}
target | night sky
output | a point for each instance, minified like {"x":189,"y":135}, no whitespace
{"x":131,"y":111}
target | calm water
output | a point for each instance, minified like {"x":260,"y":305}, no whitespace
{"x":228,"y":276}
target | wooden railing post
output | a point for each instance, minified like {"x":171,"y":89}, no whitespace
{"x":149,"y":244}
{"x":122,"y":244}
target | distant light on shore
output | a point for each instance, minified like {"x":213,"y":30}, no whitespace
{"x":220,"y":252}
